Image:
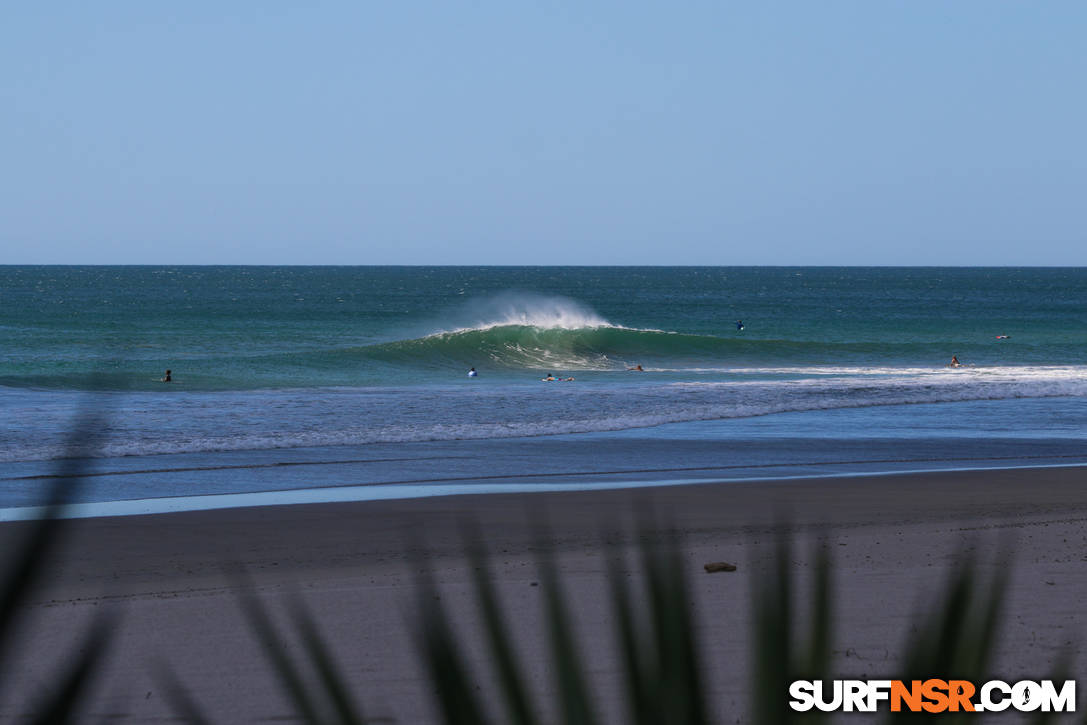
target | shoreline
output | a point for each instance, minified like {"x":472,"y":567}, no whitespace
{"x":893,"y":538}
{"x":469,"y":486}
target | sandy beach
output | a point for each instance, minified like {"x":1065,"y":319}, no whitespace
{"x":892,"y":539}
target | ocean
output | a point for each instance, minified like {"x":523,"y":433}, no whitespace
{"x":304,"y":378}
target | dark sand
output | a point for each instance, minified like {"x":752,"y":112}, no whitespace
{"x":892,"y":538}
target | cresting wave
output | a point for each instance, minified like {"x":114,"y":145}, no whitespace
{"x":603,"y":347}
{"x":344,"y":417}
{"x":518,"y":331}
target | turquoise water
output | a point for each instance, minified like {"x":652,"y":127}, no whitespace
{"x":273,"y":359}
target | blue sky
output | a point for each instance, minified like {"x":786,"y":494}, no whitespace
{"x":544,"y":133}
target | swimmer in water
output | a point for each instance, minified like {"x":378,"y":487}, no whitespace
{"x":549,"y":379}
{"x":739,"y":324}
{"x":472,"y":373}
{"x":167,"y":378}
{"x":636,"y":369}
{"x":954,"y":362}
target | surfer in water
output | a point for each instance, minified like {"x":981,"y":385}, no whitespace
{"x":636,"y":369}
{"x":739,"y":325}
{"x":472,"y":373}
{"x":954,"y":362}
{"x":167,"y":378}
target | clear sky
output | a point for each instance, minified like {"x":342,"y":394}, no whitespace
{"x":507,"y":132}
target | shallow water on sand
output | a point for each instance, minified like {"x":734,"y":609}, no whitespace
{"x":787,"y":445}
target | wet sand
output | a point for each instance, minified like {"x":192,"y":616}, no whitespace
{"x":354,"y":564}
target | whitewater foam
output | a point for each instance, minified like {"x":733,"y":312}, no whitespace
{"x":526,"y":310}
